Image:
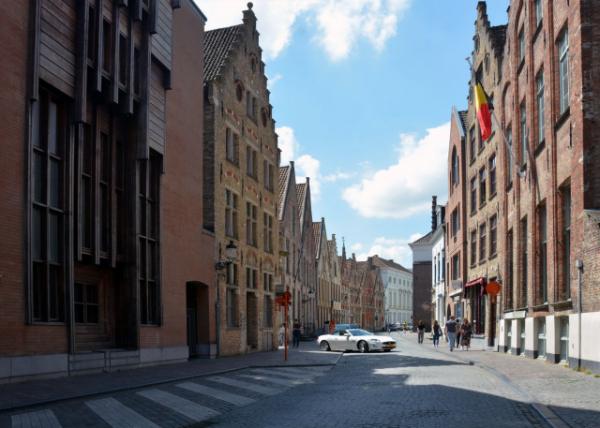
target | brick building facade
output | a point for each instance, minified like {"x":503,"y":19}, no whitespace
{"x":240,"y":191}
{"x":87,"y":282}
{"x":307,"y":269}
{"x":538,"y":69}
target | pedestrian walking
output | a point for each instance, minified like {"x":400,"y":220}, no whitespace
{"x":405,"y":327}
{"x":296,"y":334}
{"x":457,"y":341}
{"x":282,"y":335}
{"x":450,"y":332}
{"x":466,"y":331}
{"x":420,"y":331}
{"x":437,"y":332}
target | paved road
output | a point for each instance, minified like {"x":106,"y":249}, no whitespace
{"x":412,"y":387}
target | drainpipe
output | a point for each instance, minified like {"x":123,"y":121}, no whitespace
{"x":579,"y":265}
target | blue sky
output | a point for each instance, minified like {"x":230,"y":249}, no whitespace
{"x":362,"y":92}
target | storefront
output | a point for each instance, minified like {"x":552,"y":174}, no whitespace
{"x":475,"y":296}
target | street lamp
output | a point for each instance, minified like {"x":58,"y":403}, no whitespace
{"x":230,"y":257}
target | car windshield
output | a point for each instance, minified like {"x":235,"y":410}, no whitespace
{"x":359,"y":332}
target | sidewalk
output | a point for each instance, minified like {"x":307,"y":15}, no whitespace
{"x":37,"y":392}
{"x":573,"y":396}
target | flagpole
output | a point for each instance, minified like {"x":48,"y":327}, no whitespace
{"x":498,"y":126}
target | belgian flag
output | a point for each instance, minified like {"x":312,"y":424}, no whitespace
{"x":483,"y":108}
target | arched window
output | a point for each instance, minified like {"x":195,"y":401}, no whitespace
{"x":454,"y":166}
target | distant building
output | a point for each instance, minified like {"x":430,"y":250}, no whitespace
{"x":398,"y":289}
{"x":421,"y":250}
{"x":438,"y":266}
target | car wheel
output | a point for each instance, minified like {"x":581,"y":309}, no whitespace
{"x":386,"y":350}
{"x":324,"y":345}
{"x":363,"y":347}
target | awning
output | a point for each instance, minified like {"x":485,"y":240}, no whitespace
{"x":474,"y":282}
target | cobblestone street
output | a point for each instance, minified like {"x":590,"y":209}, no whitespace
{"x":414,"y":386}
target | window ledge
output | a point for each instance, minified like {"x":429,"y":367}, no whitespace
{"x":540,"y":307}
{"x":231,"y":162}
{"x":493,"y":256}
{"x":492,"y":196}
{"x":481,"y":262}
{"x":562,"y":119}
{"x":538,"y":30}
{"x":481,"y":206}
{"x":521,"y":65}
{"x":563,"y":304}
{"x":540,"y":148}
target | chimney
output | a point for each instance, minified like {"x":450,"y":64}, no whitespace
{"x":433,"y":215}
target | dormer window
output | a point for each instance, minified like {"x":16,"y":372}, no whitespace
{"x":263,"y":116}
{"x":253,"y":63}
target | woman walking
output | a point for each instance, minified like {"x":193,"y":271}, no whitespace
{"x":437,"y":332}
{"x":466,"y":332}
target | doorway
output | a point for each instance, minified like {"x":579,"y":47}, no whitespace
{"x":197,"y":319}
{"x":251,"y":320}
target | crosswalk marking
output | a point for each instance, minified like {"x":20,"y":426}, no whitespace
{"x":278,"y":372}
{"x":236,"y":399}
{"x":245,"y":385}
{"x":187,"y":408}
{"x":41,"y":418}
{"x":309,"y":370}
{"x":276,"y":381}
{"x":118,"y":415}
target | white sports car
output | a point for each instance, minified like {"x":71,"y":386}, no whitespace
{"x":355,"y":339}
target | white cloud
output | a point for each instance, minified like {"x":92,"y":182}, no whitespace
{"x":287,"y":144}
{"x":405,"y":188}
{"x":390,"y":248}
{"x":340,"y":24}
{"x":308,"y":166}
{"x":356,"y":247}
{"x":272,"y":81}
{"x":338,"y":176}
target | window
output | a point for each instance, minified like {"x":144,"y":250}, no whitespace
{"x":539,"y":100}
{"x":472,"y":153}
{"x":539,"y":12}
{"x":86,"y":303}
{"x":47,"y":216}
{"x":521,"y":46}
{"x":482,"y":239}
{"x":251,"y":278}
{"x":523,"y":120}
{"x":251,"y":224}
{"x":91,"y":48}
{"x":455,"y":267}
{"x":509,"y":157}
{"x":473,"y":247}
{"x":251,"y":106}
{"x":268,"y":282}
{"x":268,"y":233}
{"x":565,"y":195}
{"x":492,"y":168}
{"x":106,"y":46}
{"x":473,"y":195}
{"x":268,"y":173}
{"x":455,"y":222}
{"x":563,"y":71}
{"x":251,"y":162}
{"x":104,"y":210}
{"x":508,"y":293}
{"x":231,"y":214}
{"x":137,"y":62}
{"x":123,"y":59}
{"x":239,"y":91}
{"x":232,"y":307}
{"x":524,"y":266}
{"x":493,"y":235}
{"x":543,"y":254}
{"x":231,"y":298}
{"x":231,"y":146}
{"x":482,"y":186}
{"x":454,"y":167}
{"x":268,"y":311}
{"x":287,"y":256}
{"x":148,"y":222}
{"x":86,"y":191}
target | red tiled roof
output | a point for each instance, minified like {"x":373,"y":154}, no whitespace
{"x":218,"y":45}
